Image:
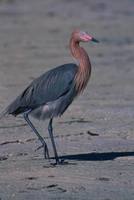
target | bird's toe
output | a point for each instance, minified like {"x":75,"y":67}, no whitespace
{"x":46,"y":152}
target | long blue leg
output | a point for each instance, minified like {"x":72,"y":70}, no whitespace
{"x":44,"y":145}
{"x":50,"y":130}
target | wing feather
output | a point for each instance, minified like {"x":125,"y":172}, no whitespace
{"x":47,"y":88}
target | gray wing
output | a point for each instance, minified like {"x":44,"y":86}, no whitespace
{"x":47,"y":88}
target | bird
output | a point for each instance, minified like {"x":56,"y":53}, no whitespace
{"x":49,"y":95}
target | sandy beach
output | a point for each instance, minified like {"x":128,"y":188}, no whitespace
{"x":96,"y":134}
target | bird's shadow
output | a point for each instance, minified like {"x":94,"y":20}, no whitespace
{"x":97,"y":156}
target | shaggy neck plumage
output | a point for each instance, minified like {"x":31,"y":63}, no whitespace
{"x":84,"y":68}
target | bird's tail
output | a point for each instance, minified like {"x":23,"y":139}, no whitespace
{"x":3,"y":113}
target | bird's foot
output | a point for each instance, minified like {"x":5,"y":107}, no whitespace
{"x":59,"y":162}
{"x":46,"y":152}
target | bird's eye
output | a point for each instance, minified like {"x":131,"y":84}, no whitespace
{"x":83,"y":33}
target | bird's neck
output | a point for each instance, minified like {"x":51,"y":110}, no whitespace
{"x":84,"y":69}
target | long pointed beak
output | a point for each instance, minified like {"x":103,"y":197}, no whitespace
{"x":94,"y":40}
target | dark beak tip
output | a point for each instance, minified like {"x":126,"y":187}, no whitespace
{"x":94,"y":40}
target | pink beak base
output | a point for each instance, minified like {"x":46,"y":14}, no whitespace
{"x":87,"y":38}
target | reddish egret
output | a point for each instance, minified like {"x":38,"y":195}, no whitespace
{"x":49,"y":95}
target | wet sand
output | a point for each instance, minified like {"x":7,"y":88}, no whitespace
{"x":96,"y":135}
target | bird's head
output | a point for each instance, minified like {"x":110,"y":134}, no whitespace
{"x":82,"y":36}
